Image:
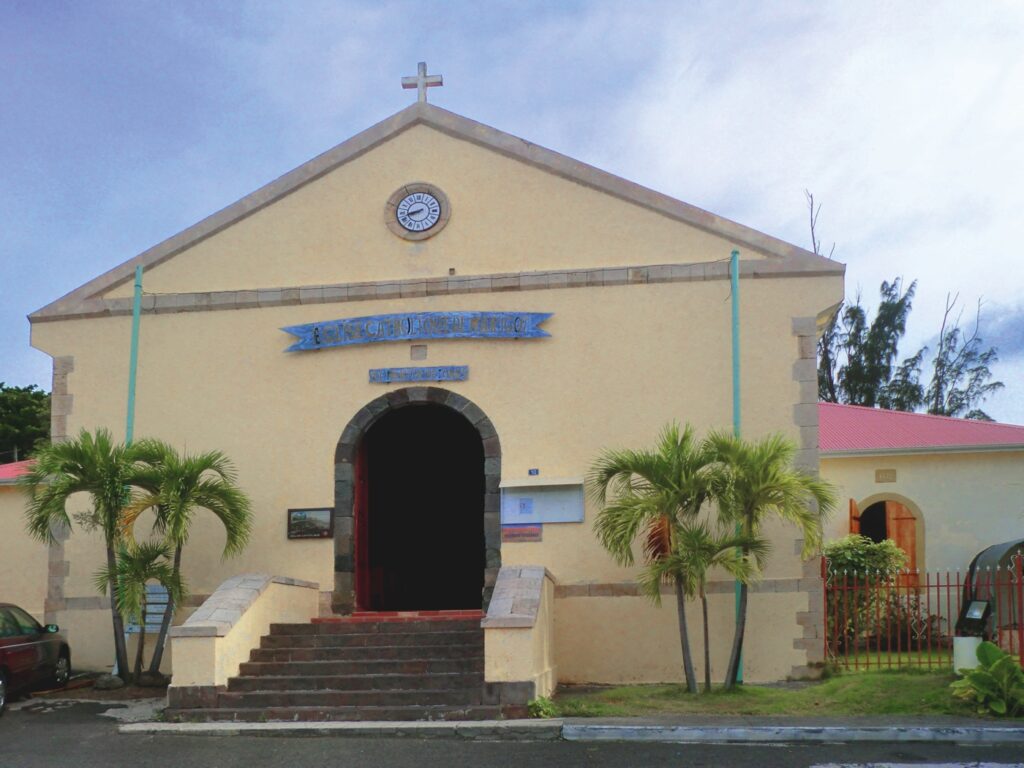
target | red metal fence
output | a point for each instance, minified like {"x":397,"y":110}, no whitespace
{"x":874,"y":621}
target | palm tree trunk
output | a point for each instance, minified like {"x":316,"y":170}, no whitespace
{"x":120,"y":649}
{"x":684,"y":638}
{"x":733,"y":671}
{"x":165,"y":623}
{"x":142,"y":645}
{"x":707,"y":646}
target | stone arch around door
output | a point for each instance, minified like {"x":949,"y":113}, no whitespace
{"x":915,"y":511}
{"x":343,"y":597}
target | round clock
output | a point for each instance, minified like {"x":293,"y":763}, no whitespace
{"x":417,"y":211}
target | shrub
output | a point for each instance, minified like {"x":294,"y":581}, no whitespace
{"x":542,"y":707}
{"x":859,"y":554}
{"x":996,"y":686}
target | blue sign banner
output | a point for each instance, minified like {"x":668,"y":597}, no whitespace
{"x":413,"y":326}
{"x":428,"y":373}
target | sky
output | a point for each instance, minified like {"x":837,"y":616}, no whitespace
{"x":122,"y":123}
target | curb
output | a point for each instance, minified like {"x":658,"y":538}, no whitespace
{"x":767,"y":734}
{"x":484,"y":730}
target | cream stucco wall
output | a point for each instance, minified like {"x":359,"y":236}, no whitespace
{"x":506,"y":217}
{"x":621,"y":362}
{"x":964,"y":501}
{"x":23,"y":562}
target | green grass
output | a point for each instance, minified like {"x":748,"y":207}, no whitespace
{"x":866,"y":693}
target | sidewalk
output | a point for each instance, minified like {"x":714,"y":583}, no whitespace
{"x":688,"y":729}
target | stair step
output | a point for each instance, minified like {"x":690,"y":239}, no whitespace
{"x":326,"y":714}
{"x":392,"y":626}
{"x":363,"y":653}
{"x":356,"y":683}
{"x":397,"y":698}
{"x":363,"y":667}
{"x":465,"y":637}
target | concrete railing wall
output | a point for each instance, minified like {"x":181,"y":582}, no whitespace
{"x":519,"y":630}
{"x":209,"y":647}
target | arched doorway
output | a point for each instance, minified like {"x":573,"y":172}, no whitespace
{"x":419,"y":512}
{"x":416,"y":504}
{"x":893,"y":517}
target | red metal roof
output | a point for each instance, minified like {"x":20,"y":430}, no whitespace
{"x":855,"y":428}
{"x":10,"y":472}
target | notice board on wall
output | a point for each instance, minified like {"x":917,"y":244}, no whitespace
{"x":538,"y":501}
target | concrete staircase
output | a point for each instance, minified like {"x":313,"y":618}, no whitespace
{"x":364,"y":667}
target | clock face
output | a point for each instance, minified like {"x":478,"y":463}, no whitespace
{"x":418,"y":212}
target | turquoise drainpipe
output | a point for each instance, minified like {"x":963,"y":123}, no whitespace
{"x":734,"y":276}
{"x":133,"y":359}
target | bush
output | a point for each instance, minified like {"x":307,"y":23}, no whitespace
{"x":996,"y":686}
{"x":859,"y":554}
{"x":542,"y":708}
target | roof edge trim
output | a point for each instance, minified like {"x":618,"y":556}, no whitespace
{"x":457,"y":127}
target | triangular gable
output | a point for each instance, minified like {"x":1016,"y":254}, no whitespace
{"x":84,"y":300}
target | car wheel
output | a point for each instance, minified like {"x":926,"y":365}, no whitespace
{"x":62,"y":671}
{"x":3,"y":692}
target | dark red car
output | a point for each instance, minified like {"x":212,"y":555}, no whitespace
{"x":30,"y":654}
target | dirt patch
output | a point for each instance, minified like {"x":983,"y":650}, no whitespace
{"x":82,"y":688}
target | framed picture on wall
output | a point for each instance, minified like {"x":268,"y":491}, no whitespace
{"x":317,"y":523}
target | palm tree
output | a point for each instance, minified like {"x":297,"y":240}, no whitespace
{"x":757,"y":481}
{"x":136,"y":565}
{"x":648,"y":495}
{"x":177,"y":486}
{"x":104,"y":470}
{"x":697,"y":550}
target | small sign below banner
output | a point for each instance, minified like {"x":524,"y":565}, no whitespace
{"x":515,"y":533}
{"x":418,"y":325}
{"x":426,"y":373}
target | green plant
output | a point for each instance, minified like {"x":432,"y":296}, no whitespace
{"x":103,"y":470}
{"x":755,"y":480}
{"x":859,"y":554}
{"x":136,"y":565}
{"x":996,"y":685}
{"x":696,"y":550}
{"x":178,"y":487}
{"x":645,"y":496}
{"x":542,"y":708}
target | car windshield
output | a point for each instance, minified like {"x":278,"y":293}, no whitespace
{"x":8,"y":626}
{"x":26,"y":624}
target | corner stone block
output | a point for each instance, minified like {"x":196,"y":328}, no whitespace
{"x":805,"y":326}
{"x":805,"y":370}
{"x":805,"y":414}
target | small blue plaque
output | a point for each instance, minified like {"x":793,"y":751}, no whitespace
{"x":533,"y":472}
{"x":425,"y":373}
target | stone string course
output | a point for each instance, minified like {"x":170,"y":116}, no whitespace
{"x":516,"y":598}
{"x":632,"y":588}
{"x":222,"y":610}
{"x":166,"y":303}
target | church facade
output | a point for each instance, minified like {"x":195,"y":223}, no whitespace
{"x":413,"y":347}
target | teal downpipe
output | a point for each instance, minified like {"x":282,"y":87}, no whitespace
{"x":133,"y":359}
{"x":734,"y":276}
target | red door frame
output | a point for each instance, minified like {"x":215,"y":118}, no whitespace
{"x":361,"y":532}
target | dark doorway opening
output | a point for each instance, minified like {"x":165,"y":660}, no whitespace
{"x":873,"y":522}
{"x":419,"y":512}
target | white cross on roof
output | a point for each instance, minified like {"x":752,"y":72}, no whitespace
{"x":421,"y":81}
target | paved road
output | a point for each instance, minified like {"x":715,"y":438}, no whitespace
{"x":78,"y":737}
